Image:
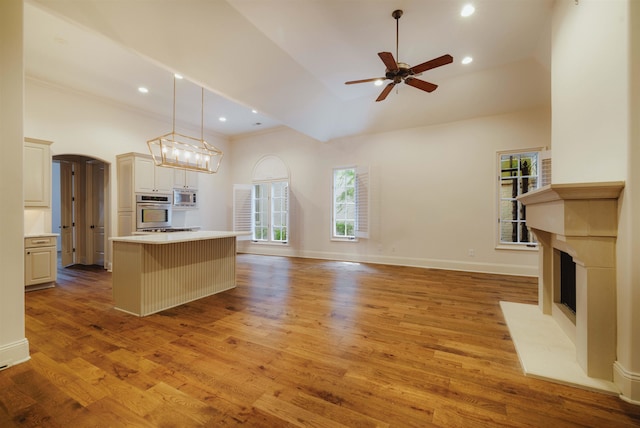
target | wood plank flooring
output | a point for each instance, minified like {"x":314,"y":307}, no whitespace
{"x":299,"y":342}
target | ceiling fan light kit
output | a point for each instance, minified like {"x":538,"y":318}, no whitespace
{"x":180,"y":151}
{"x":399,"y":72}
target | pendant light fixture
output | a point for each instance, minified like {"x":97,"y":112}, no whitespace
{"x":180,"y":151}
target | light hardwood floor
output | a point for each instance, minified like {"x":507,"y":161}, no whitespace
{"x":298,"y":343}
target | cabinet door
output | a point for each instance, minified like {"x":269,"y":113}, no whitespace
{"x":179,"y":178}
{"x":37,"y":174}
{"x":144,"y":175}
{"x":40,"y":265}
{"x":183,"y":179}
{"x":163,"y":179}
{"x":126,"y":197}
{"x":191,"y":179}
{"x":126,"y":223}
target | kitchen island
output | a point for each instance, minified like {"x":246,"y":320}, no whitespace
{"x":154,"y":272}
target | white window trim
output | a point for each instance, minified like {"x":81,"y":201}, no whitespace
{"x":515,"y":246}
{"x":270,"y":213}
{"x":363,"y":204}
{"x":268,"y":169}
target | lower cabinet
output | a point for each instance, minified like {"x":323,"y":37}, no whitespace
{"x":40,"y":262}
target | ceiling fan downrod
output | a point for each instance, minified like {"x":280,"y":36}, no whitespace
{"x":396,"y":15}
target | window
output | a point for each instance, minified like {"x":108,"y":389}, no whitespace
{"x":260,"y":204}
{"x":270,"y":211}
{"x":344,"y":203}
{"x":519,"y":174}
{"x":279,"y":211}
{"x":350,"y":217}
{"x":262,"y":208}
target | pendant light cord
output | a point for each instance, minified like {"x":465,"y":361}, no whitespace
{"x":174,"y":104}
{"x":202,"y":117}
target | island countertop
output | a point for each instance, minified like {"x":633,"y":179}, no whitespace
{"x":174,"y":237}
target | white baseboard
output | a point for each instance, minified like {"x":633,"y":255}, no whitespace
{"x":14,"y":353}
{"x":495,"y":268}
{"x":628,"y":382}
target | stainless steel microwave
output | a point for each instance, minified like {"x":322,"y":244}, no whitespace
{"x":185,"y":198}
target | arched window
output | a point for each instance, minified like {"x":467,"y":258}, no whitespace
{"x":262,"y":207}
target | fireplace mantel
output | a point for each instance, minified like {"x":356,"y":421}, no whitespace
{"x":576,"y":209}
{"x":553,"y":192}
{"x":580,"y":219}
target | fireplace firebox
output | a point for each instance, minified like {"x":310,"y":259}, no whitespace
{"x":567,"y":281}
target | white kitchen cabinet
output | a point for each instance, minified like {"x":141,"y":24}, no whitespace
{"x":37,"y":173}
{"x":183,"y":179}
{"x":40,"y":261}
{"x":149,"y":178}
{"x":138,"y":174}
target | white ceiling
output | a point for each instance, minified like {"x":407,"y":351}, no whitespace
{"x":289,"y":59}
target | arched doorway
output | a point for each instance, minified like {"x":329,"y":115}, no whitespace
{"x":79,"y":209}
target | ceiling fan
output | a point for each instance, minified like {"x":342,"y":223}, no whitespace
{"x":398,"y":72}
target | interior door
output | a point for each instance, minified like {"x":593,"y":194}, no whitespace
{"x":96,"y":221}
{"x":66,"y":214}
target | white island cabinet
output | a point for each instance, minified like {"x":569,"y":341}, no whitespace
{"x":158,"y":271}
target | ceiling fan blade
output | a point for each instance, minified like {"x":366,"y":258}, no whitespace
{"x":385,"y":91}
{"x":364,"y":80}
{"x":420,"y":84}
{"x":389,"y":61}
{"x":436,"y":62}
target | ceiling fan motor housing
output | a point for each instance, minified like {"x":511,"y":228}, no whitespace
{"x":401,"y":73}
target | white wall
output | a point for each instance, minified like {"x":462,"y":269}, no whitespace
{"x":589,"y":91}
{"x":85,"y":125}
{"x":596,"y":137}
{"x":434,"y":191}
{"x":14,"y":347}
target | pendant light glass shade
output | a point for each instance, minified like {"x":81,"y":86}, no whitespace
{"x":180,"y":151}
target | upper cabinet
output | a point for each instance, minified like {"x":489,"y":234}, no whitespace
{"x":150,"y":178}
{"x":37,"y":173}
{"x":183,"y":179}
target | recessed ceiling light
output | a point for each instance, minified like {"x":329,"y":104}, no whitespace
{"x":143,"y":90}
{"x":467,"y":10}
{"x":378,"y":82}
{"x":254,"y":111}
{"x":467,"y":60}
{"x":222,"y":119}
{"x":178,"y":76}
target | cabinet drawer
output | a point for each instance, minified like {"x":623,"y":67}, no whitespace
{"x":39,"y":241}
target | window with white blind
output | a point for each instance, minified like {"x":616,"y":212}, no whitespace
{"x":350,"y":205}
{"x":519,"y":173}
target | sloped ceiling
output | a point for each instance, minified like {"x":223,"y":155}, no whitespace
{"x":289,"y":59}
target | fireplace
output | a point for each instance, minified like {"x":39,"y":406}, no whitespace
{"x":576,"y":227}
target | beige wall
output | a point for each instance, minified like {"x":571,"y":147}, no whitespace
{"x":84,"y":125}
{"x":14,"y":347}
{"x":589,"y":91}
{"x":596,"y":137}
{"x":433,"y":192}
